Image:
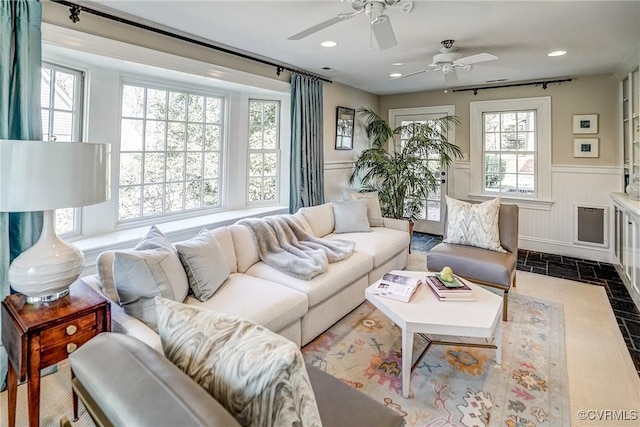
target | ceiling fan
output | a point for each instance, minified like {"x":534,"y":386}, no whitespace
{"x":449,"y":61}
{"x":379,"y":23}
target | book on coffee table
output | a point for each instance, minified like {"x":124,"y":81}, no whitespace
{"x":444,"y":293}
{"x":397,"y":286}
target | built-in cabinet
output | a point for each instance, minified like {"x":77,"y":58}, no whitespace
{"x":626,"y":246}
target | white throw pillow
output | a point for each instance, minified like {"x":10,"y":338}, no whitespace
{"x":257,"y":375}
{"x":151,"y":269}
{"x":374,"y":212}
{"x":205,"y":264}
{"x":351,"y":216}
{"x":474,"y":224}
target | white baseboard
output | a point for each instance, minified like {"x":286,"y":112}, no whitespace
{"x":566,"y":249}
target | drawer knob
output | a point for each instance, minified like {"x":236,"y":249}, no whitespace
{"x":71,"y":348}
{"x":72,"y":329}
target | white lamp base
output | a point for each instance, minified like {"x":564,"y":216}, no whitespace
{"x":44,"y":272}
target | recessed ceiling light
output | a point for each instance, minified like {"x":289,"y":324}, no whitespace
{"x":397,"y":64}
{"x":394,"y":75}
{"x":328,"y":43}
{"x":557,"y":53}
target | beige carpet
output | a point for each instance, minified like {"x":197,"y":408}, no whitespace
{"x":601,"y":374}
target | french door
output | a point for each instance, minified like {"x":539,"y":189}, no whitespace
{"x":433,"y":207}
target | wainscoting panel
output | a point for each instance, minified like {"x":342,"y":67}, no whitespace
{"x":554,"y":231}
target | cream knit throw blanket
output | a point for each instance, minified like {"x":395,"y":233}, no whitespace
{"x":284,"y":245}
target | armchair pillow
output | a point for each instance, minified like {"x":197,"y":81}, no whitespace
{"x":474,"y":224}
{"x":257,"y":375}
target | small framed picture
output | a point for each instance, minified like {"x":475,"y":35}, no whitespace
{"x":585,"y":123}
{"x":585,"y":147}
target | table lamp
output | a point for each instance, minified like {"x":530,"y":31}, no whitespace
{"x":44,"y":176}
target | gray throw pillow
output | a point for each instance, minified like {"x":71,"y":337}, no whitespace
{"x":474,"y":224}
{"x":351,"y":216}
{"x":257,"y":375}
{"x":374,"y":212}
{"x":204,"y":262}
{"x":151,"y":269}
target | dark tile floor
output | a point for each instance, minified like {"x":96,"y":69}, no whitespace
{"x":592,"y":272}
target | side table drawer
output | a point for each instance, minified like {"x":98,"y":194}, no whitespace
{"x":62,"y":349}
{"x":67,"y":331}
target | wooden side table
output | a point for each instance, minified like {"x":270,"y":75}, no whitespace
{"x":38,"y":335}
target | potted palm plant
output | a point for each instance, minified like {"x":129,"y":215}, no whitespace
{"x":396,"y":164}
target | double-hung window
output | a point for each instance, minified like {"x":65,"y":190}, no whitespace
{"x":171,"y":148}
{"x":61,"y":95}
{"x":264,"y":153}
{"x":511,"y":150}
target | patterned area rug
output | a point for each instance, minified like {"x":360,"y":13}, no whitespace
{"x":455,"y":385}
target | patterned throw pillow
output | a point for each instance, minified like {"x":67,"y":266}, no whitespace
{"x":474,"y":224}
{"x":257,"y":375}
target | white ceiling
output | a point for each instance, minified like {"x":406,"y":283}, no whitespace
{"x":596,"y":35}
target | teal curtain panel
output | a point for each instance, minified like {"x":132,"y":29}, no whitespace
{"x":20,"y":68}
{"x":307,"y":145}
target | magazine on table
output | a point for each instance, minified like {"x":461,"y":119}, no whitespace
{"x":396,"y":286}
{"x":442,"y":293}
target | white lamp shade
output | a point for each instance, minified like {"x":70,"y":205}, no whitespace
{"x":44,"y":176}
{"x":37,"y":175}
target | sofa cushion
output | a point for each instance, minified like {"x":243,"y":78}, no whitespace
{"x":374,"y":212}
{"x":151,"y":269}
{"x":257,"y":375}
{"x":223,"y":237}
{"x":320,"y":219}
{"x":351,"y":217}
{"x":473,"y":224}
{"x":204,"y":263}
{"x":338,"y":276}
{"x":104,"y":266}
{"x":382,"y":243}
{"x":262,"y":301}
{"x":474,"y":263}
{"x":245,"y":246}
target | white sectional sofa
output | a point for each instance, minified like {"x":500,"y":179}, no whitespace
{"x":297,"y":309}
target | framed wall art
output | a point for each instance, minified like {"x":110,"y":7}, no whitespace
{"x":585,"y":123}
{"x":585,"y":147}
{"x":344,"y":128}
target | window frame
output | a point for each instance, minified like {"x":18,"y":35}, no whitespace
{"x":263,"y":151}
{"x":542,"y":176}
{"x":77,"y":113}
{"x":172,"y":86}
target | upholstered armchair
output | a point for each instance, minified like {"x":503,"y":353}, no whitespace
{"x":483,"y":266}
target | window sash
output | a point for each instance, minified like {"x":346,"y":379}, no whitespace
{"x":172,"y":146}
{"x":263,"y":186}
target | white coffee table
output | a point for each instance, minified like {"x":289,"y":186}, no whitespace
{"x":424,"y":314}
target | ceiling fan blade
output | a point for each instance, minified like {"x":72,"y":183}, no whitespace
{"x":474,"y":59}
{"x":451,"y":79}
{"x":410,"y":74}
{"x":383,"y":32}
{"x":323,"y":25}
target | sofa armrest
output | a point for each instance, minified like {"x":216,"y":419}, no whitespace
{"x":123,"y":323}
{"x":396,"y":224}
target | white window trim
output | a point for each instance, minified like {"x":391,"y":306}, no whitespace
{"x":542,"y":105}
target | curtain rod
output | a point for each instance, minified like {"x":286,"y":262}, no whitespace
{"x":542,"y":83}
{"x":75,"y":10}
